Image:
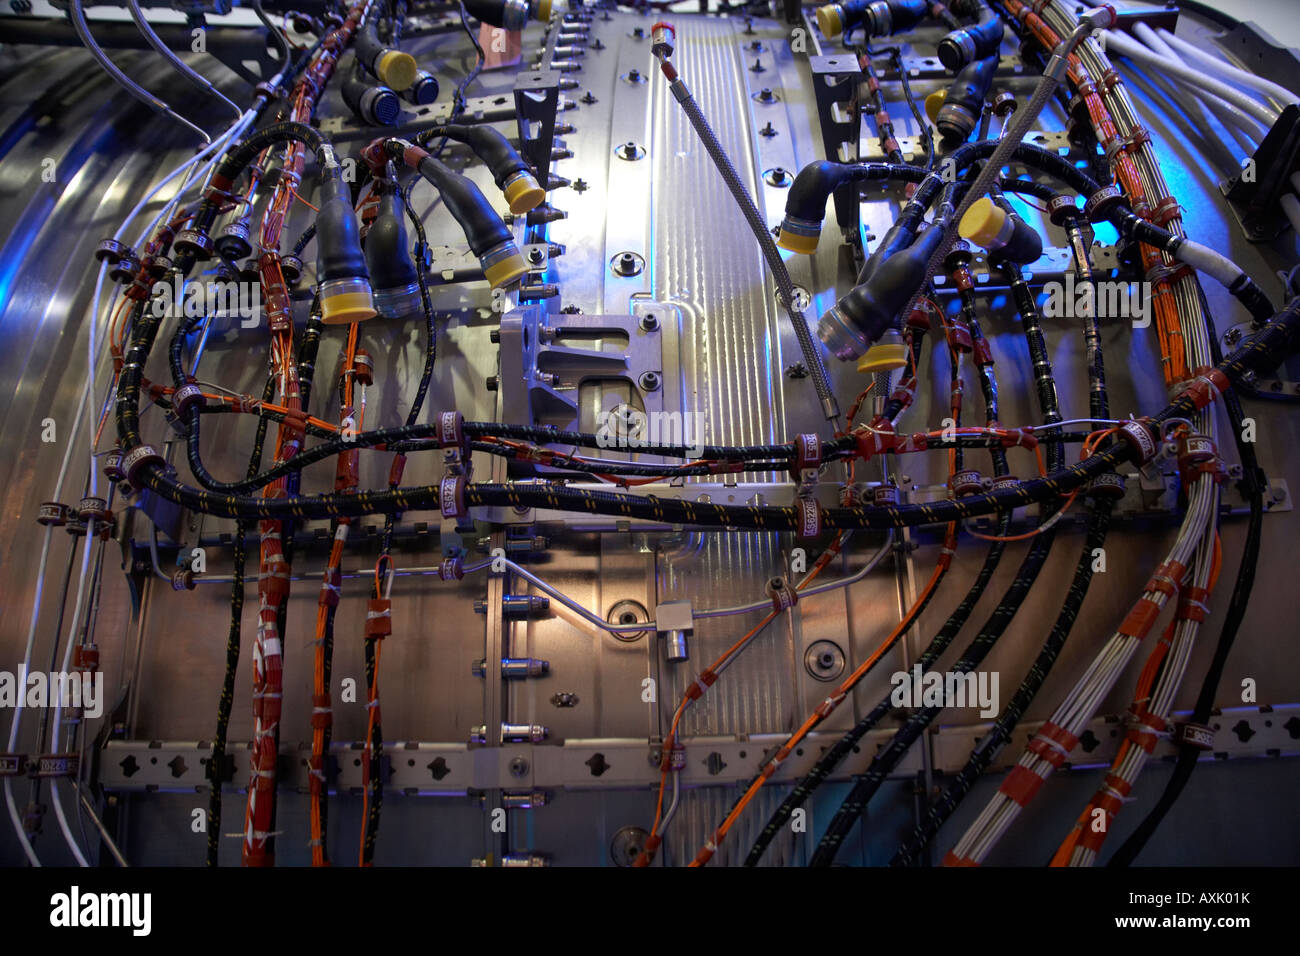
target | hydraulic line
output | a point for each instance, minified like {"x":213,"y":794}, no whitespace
{"x":177,"y":63}
{"x":78,"y":17}
{"x":812,"y":355}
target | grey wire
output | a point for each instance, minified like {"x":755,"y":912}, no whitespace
{"x":180,"y":65}
{"x":281,"y":43}
{"x":78,"y":17}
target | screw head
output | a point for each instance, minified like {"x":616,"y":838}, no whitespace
{"x":650,"y":381}
{"x":649,"y":322}
{"x":627,"y":264}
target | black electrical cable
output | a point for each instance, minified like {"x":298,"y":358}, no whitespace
{"x":855,"y":804}
{"x":1270,"y":345}
{"x":922,"y":128}
{"x":826,"y":765}
{"x":902,"y":395}
{"x":866,"y":786}
{"x":216,"y":769}
{"x":376,"y":739}
{"x":1098,"y":525}
{"x":374,"y":778}
{"x":458,"y":101}
{"x":407,"y":437}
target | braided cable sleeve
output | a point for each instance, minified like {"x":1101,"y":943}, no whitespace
{"x":785,"y":285}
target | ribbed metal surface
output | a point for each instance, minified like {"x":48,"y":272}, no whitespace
{"x":754,"y":696}
{"x":705,"y":257}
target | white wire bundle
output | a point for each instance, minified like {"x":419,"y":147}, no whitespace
{"x":1162,"y":695}
{"x":1081,"y":703}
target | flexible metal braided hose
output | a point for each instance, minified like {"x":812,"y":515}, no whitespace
{"x":784,"y":284}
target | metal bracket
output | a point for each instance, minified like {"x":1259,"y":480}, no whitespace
{"x":835,"y":82}
{"x":547,"y":359}
{"x":537,"y":99}
{"x":624,"y":763}
{"x":1253,"y":193}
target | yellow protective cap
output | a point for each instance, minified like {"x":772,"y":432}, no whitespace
{"x":982,"y":222}
{"x":829,"y":22}
{"x":793,"y":241}
{"x":884,"y":357}
{"x":933,"y":103}
{"x":396,"y":69}
{"x":506,"y":271}
{"x":543,"y":10}
{"x":344,"y":308}
{"x":524,"y":193}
